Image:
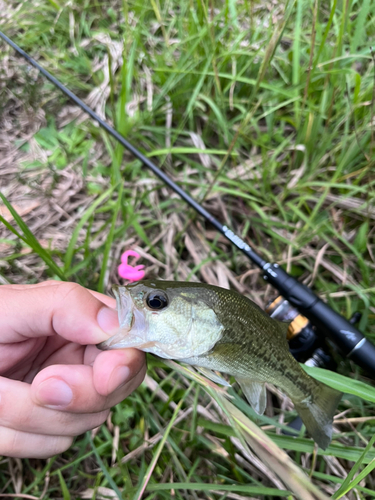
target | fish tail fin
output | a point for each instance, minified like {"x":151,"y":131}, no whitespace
{"x":317,"y":412}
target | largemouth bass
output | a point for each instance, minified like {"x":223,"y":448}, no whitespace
{"x":213,"y":328}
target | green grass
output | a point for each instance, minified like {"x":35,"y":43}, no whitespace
{"x":264,"y":109}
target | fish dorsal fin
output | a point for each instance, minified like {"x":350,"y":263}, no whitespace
{"x":212,"y":376}
{"x":255,"y":393}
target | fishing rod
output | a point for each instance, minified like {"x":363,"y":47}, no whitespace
{"x":349,"y":340}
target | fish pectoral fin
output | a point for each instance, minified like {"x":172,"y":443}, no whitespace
{"x":255,"y":393}
{"x":212,"y":376}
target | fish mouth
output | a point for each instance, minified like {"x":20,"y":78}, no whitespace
{"x":131,"y":323}
{"x":124,"y":306}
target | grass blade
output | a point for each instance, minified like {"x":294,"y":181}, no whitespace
{"x":109,"y":241}
{"x":104,"y":468}
{"x":84,"y":218}
{"x":156,"y":456}
{"x":232,"y":488}
{"x":29,"y":238}
{"x":64,"y":488}
{"x":264,"y":447}
{"x":348,"y":484}
{"x":341,"y":383}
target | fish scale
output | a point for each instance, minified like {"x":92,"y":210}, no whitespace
{"x":265,"y":361}
{"x":215,"y":329}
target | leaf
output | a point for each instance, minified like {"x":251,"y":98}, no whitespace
{"x":360,"y":29}
{"x":47,"y":138}
{"x":187,"y":150}
{"x":266,"y":449}
{"x":103,"y":467}
{"x":238,"y":488}
{"x":337,"y":450}
{"x":361,"y":238}
{"x":84,"y":218}
{"x":29,"y":238}
{"x":347,"y":485}
{"x":341,"y":383}
{"x":147,"y":476}
{"x":109,"y":241}
{"x":64,"y":488}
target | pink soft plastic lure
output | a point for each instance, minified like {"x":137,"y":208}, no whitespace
{"x":128,"y":272}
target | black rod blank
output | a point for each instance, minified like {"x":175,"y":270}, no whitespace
{"x":236,"y":240}
{"x":348,"y":339}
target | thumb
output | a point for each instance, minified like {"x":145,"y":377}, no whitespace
{"x":55,"y":308}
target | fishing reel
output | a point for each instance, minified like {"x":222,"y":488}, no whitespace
{"x":305,"y":344}
{"x":301,"y":335}
{"x":329,"y":323}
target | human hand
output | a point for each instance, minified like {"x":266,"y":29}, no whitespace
{"x":54,"y":382}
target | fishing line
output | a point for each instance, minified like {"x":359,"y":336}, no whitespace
{"x":345,"y":336}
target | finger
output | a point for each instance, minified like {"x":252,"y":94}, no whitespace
{"x":18,"y":411}
{"x":59,"y":351}
{"x":35,"y":285}
{"x":90,"y":355}
{"x":71,"y":388}
{"x":112,"y":367}
{"x":17,"y":358}
{"x":56,"y":351}
{"x":66,"y":309}
{"x":20,"y":444}
{"x":108,"y":301}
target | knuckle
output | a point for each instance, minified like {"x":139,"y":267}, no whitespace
{"x":9,"y":418}
{"x":58,"y":444}
{"x":19,"y":444}
{"x":69,"y":290}
{"x":74,"y":424}
{"x":21,"y":420}
{"x":8,"y":442}
{"x":68,"y":297}
{"x":83,"y":422}
{"x":97,"y":419}
{"x":63,"y":422}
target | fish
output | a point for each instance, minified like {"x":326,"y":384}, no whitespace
{"x":220,"y":330}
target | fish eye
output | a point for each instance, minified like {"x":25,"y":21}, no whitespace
{"x":157,"y":300}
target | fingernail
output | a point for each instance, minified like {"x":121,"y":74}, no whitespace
{"x":119,"y":377}
{"x":54,"y":393}
{"x":107,"y":319}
